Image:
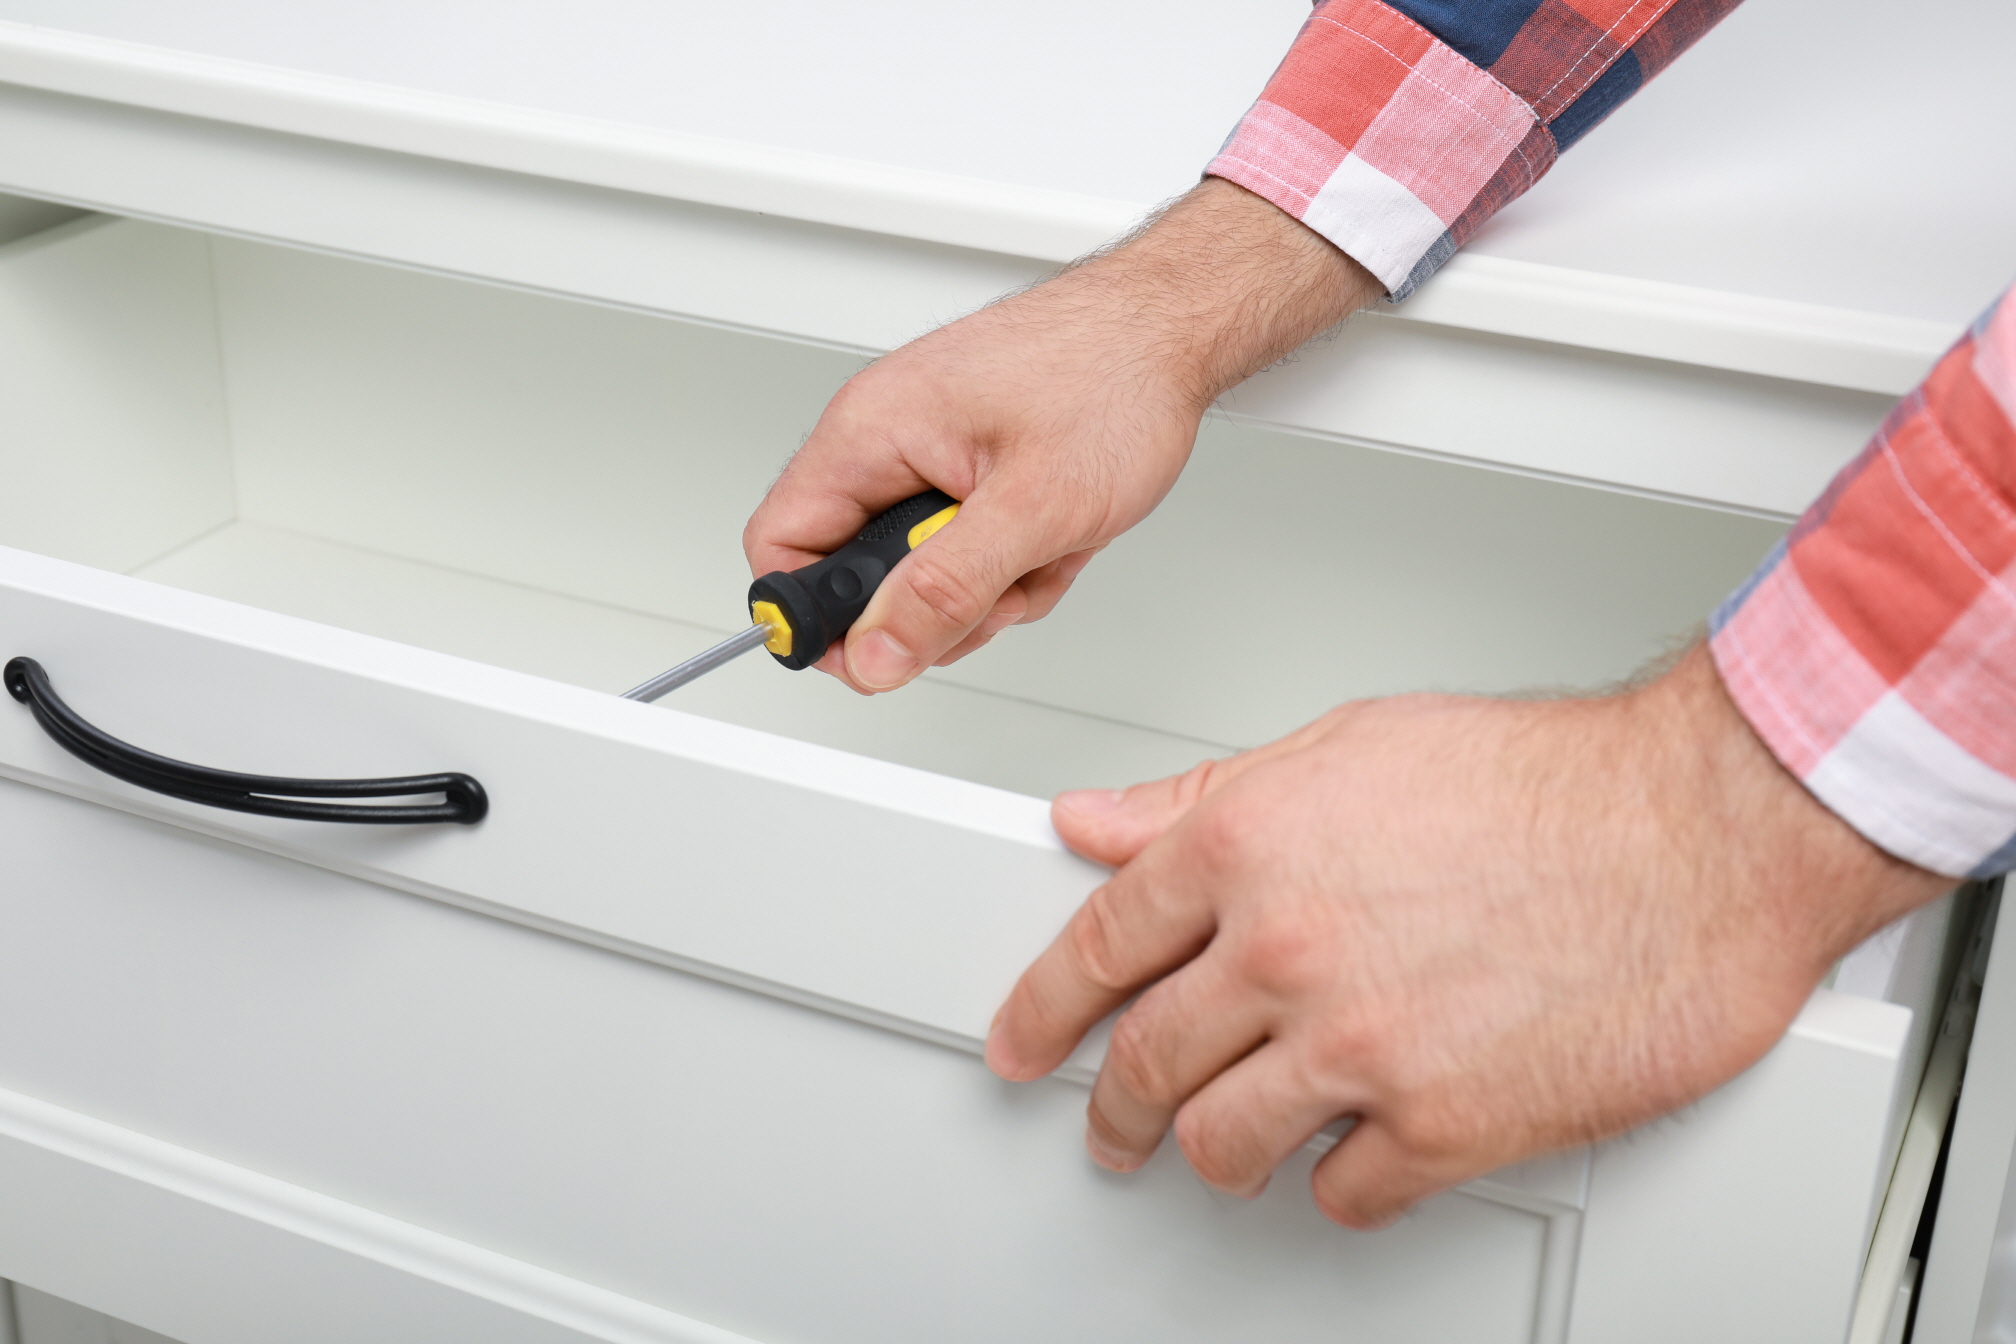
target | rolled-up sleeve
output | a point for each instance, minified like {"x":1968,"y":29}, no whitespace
{"x":1396,"y":129}
{"x":1874,"y":650}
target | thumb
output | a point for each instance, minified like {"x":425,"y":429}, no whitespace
{"x":964,"y":574}
{"x":1111,"y":826}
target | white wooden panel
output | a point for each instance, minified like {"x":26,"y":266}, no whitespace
{"x":630,"y":828}
{"x":20,"y":216}
{"x":837,"y":285}
{"x":1830,"y":345}
{"x":222,"y":1255}
{"x":1660,"y":428}
{"x":1663,"y":1216}
{"x":572,"y":448}
{"x":997,"y":98}
{"x":692,"y":1148}
{"x":662,"y":811}
{"x":1890,"y":1273}
{"x":1913,"y":962}
{"x":114,"y":432}
{"x":622,"y":826}
{"x":712,"y":1153}
{"x":614,"y":457}
{"x":1965,"y":1292}
{"x":51,"y":1320}
{"x":1006,"y":741}
{"x":1752,"y":443}
{"x":1738,"y":169}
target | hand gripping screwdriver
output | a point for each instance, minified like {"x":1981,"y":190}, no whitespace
{"x":801,"y":613}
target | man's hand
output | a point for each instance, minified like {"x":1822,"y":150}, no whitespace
{"x":1486,"y":929}
{"x":1059,"y":417}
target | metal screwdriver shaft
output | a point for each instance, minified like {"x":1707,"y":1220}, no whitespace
{"x":755,"y":637}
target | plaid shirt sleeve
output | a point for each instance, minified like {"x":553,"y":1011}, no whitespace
{"x":1396,"y":129}
{"x":1874,"y":650}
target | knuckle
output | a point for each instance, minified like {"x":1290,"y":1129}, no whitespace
{"x":1136,"y":1064}
{"x":1194,"y":783}
{"x":1105,"y":1131}
{"x":1278,"y":957}
{"x":853,"y":403}
{"x":952,"y":598}
{"x":1221,"y":834}
{"x":1218,"y":1155}
{"x":1443,"y":1134}
{"x":1096,"y":943}
{"x":1357,"y":1044}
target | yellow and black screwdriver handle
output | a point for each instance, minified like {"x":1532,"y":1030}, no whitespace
{"x":808,"y":609}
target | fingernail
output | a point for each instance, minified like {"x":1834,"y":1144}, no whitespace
{"x":879,"y":662}
{"x":998,"y":1059}
{"x":1091,"y":802}
{"x":1106,"y":1157}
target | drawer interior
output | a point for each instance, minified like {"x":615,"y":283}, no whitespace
{"x":560,"y":488}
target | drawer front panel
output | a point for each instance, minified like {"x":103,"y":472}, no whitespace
{"x":250,"y":989}
{"x":885,"y":892}
{"x":776,"y":1172}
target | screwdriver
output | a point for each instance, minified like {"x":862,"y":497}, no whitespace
{"x":799,"y":614}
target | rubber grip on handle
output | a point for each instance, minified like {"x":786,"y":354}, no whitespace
{"x":822,"y":601}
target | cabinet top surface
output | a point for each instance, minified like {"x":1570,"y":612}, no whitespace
{"x":1829,"y":153}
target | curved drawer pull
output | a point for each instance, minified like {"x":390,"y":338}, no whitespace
{"x":268,"y":795}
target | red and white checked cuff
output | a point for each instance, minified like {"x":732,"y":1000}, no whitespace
{"x":1383,"y":139}
{"x":1396,"y":129}
{"x":1875,"y":650}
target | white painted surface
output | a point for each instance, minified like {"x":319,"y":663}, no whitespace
{"x":1660,"y":427}
{"x":1890,"y":1274}
{"x":614,"y":1035}
{"x":545,"y":168}
{"x":1829,"y":342}
{"x":1746,"y":167}
{"x":116,"y":447}
{"x":647,"y":1133}
{"x":1915,"y":961}
{"x":1008,"y":742}
{"x":1833,"y":344}
{"x":20,"y":216}
{"x":613,"y":457}
{"x":1762,"y":444}
{"x":703,"y":1151}
{"x":1817,"y":151}
{"x":1707,"y":1274}
{"x":1967,"y":1284}
{"x":669,"y":795}
{"x":51,"y":1320}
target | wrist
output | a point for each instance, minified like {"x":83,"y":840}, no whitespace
{"x":1819,"y":881}
{"x":1220,"y":286}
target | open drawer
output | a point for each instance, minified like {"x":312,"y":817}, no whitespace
{"x":676,"y":1045}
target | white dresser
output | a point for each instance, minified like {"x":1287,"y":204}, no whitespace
{"x":402,"y":397}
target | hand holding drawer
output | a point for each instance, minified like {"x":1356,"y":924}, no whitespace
{"x":1059,"y":416}
{"x":1482,"y":929}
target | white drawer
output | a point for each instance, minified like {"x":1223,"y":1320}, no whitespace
{"x":622,"y":1062}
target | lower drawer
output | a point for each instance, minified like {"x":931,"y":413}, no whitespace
{"x":597,"y":1068}
{"x":250,"y":1098}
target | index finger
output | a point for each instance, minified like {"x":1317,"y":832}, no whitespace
{"x":1152,"y":917}
{"x":811,"y":512}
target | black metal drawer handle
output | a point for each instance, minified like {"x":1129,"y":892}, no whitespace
{"x":268,"y":795}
